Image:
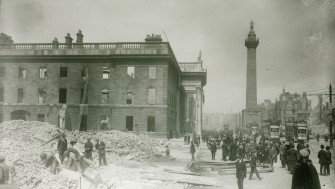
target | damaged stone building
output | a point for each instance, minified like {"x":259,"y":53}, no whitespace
{"x":130,"y":86}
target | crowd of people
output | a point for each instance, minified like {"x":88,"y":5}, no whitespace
{"x":264,"y":151}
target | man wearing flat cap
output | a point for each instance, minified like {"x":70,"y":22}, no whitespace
{"x":305,"y":175}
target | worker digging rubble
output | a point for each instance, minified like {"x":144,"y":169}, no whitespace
{"x":62,"y":146}
{"x":49,"y":160}
{"x":72,"y":162}
{"x":4,"y":170}
{"x":73,"y":148}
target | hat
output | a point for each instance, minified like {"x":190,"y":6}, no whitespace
{"x":2,"y":157}
{"x":304,"y":152}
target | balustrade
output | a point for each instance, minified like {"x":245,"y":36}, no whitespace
{"x":104,"y":46}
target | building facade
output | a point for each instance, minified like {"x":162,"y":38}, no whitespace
{"x":293,"y":107}
{"x":135,"y":86}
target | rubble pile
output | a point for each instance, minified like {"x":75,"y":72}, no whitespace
{"x":21,"y":143}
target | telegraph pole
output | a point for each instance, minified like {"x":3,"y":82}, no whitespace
{"x":331,"y":116}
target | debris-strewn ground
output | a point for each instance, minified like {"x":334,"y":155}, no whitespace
{"x":21,"y":142}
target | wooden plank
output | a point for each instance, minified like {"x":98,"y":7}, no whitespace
{"x":232,"y":172}
{"x":179,"y":172}
{"x":185,"y":180}
{"x":52,"y":139}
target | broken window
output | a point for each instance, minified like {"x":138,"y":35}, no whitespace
{"x":22,"y":72}
{"x":130,"y":96}
{"x":62,"y":96}
{"x":152,"y":96}
{"x":105,"y":96}
{"x":63,"y":72}
{"x":106,"y":72}
{"x":42,"y":95}
{"x":41,"y":117}
{"x":131,"y":71}
{"x":2,"y":71}
{"x":20,"y":95}
{"x":1,"y":95}
{"x":104,"y":123}
{"x":152,"y":72}
{"x":43,"y":72}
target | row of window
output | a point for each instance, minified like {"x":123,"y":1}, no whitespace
{"x":63,"y":72}
{"x":105,"y":96}
{"x":104,"y":122}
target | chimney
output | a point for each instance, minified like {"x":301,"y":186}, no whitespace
{"x":80,"y":37}
{"x":153,"y":38}
{"x":55,"y":43}
{"x":68,"y":41}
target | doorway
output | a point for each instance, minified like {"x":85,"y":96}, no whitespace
{"x":129,"y":123}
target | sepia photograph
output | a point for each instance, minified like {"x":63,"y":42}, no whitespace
{"x":167,"y":94}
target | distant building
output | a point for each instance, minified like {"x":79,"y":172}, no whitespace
{"x":293,"y":107}
{"x":102,"y":85}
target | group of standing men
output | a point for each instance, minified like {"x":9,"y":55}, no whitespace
{"x":71,"y":157}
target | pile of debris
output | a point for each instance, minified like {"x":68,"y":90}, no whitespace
{"x":136,"y":147}
{"x":22,"y":142}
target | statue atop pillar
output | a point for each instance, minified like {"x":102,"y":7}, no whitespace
{"x":252,"y":24}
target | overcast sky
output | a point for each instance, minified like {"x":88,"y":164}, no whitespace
{"x":296,"y":37}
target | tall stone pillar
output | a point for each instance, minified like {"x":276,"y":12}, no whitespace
{"x":251,"y":93}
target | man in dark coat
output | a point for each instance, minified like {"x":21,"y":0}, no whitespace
{"x":100,"y":146}
{"x":225,"y":151}
{"x":62,"y":146}
{"x":292,"y":157}
{"x":213,"y":149}
{"x":241,"y":172}
{"x":305,"y":175}
{"x":282,"y":150}
{"x":233,"y":151}
{"x":328,"y":160}
{"x":253,"y":165}
{"x":322,"y":155}
{"x":88,"y":149}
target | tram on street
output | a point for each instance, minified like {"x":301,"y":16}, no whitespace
{"x":296,"y":131}
{"x":274,"y":132}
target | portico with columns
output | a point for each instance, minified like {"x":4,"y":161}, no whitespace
{"x":193,"y":79}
